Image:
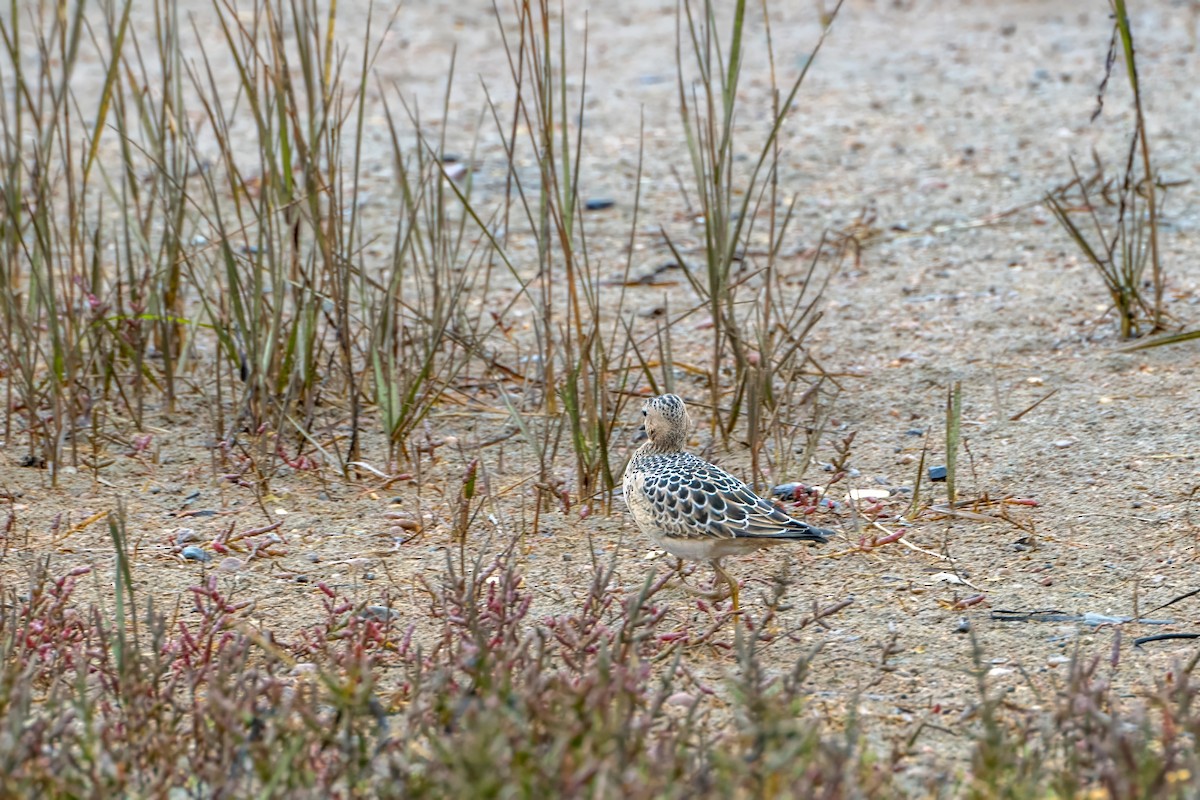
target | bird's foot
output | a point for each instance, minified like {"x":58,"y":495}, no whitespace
{"x":718,"y":592}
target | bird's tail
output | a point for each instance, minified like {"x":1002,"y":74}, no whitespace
{"x":796,"y":531}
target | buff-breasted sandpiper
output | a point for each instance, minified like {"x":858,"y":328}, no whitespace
{"x":693,"y":509}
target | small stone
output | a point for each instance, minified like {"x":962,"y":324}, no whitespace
{"x":868,"y":494}
{"x":401,"y":520}
{"x":937,"y":474}
{"x":682,"y":699}
{"x":1062,"y":444}
{"x":230,"y":564}
{"x":193,"y":553}
{"x":368,"y":576}
{"x":185,"y":535}
{"x":599,"y":203}
{"x":379,"y":613}
{"x":790,"y":491}
{"x":964,"y":626}
{"x":914,"y":432}
{"x":313,"y":558}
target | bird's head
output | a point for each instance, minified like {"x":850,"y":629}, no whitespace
{"x":666,"y":421}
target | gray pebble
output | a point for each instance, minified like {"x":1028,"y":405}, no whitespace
{"x":193,"y":553}
{"x":379,"y":613}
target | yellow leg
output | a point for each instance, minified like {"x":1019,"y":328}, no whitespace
{"x":733,"y":587}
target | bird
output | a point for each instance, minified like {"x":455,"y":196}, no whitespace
{"x":695,"y":510}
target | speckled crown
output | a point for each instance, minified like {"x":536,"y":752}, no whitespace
{"x":669,"y":405}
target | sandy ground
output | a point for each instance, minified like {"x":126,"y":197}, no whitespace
{"x":934,"y":116}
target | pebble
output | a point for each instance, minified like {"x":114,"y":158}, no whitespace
{"x":964,"y":626}
{"x":379,"y":613}
{"x":368,"y":576}
{"x":599,"y":203}
{"x":791,"y":491}
{"x":937,"y":474}
{"x":1062,"y":444}
{"x":185,"y":535}
{"x":230,"y":564}
{"x":914,"y":432}
{"x":682,"y":699}
{"x":193,"y":553}
{"x":401,"y":520}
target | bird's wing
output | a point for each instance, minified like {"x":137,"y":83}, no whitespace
{"x":696,"y":499}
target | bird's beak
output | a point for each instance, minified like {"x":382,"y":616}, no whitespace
{"x":640,"y":435}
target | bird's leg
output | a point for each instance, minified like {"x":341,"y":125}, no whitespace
{"x":716,"y":594}
{"x":723,"y":575}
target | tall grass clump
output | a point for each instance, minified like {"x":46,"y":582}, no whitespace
{"x":760,"y":311}
{"x":1114,"y":220}
{"x":581,"y":350}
